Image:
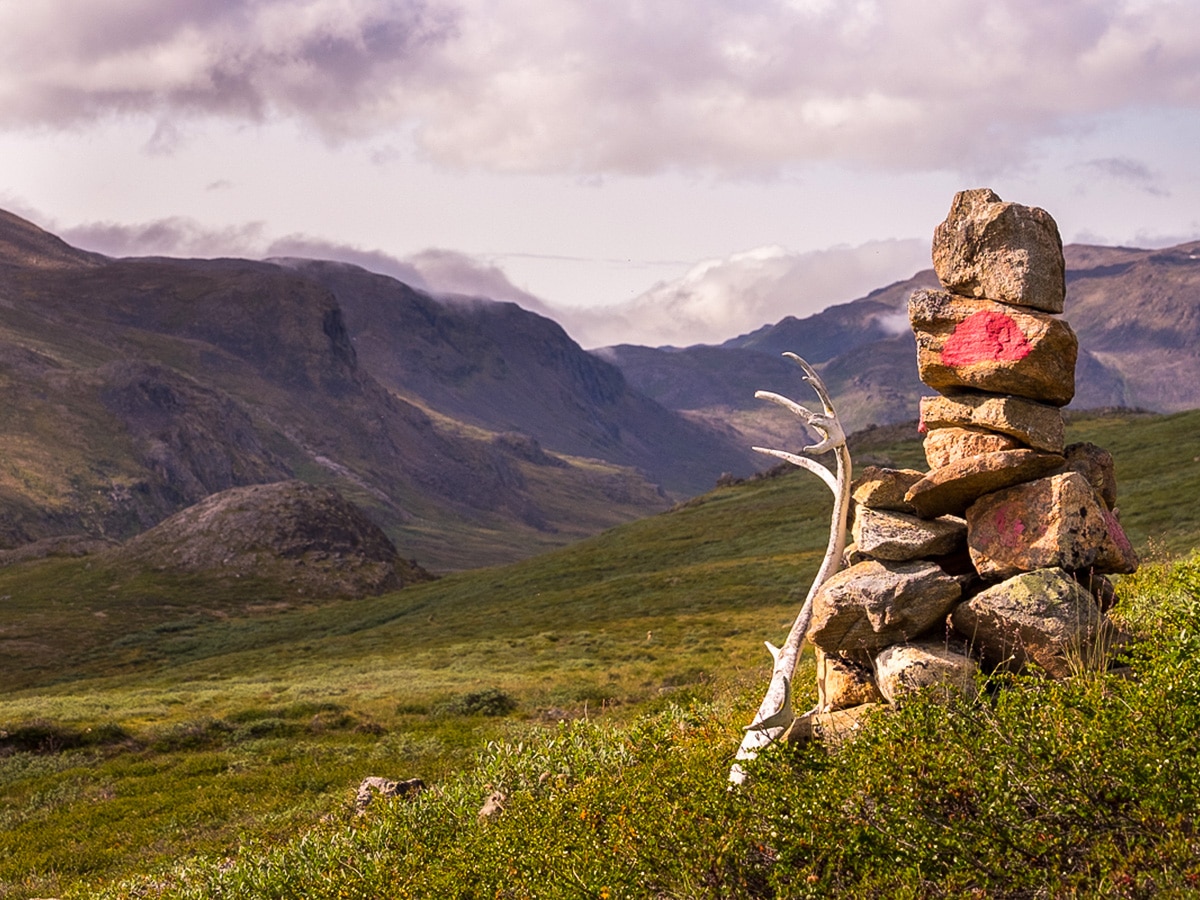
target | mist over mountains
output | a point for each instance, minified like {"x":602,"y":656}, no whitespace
{"x":472,"y":431}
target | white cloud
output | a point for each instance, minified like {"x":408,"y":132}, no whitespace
{"x":624,"y":87}
{"x":719,"y":299}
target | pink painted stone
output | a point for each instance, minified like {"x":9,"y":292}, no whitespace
{"x":984,"y":345}
{"x":1052,"y":522}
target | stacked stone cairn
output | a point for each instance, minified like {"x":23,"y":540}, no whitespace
{"x":994,"y":559}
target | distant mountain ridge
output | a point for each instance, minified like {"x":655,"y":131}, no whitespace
{"x":133,"y":388}
{"x":1136,"y":313}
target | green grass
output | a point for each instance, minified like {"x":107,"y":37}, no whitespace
{"x":219,"y":728}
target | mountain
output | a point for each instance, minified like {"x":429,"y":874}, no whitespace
{"x":134,"y":388}
{"x":1136,"y":313}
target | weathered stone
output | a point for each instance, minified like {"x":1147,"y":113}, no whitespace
{"x":968,"y":343}
{"x":1036,"y":424}
{"x":951,"y":489}
{"x":831,"y":728}
{"x":897,"y":536}
{"x":852,"y":556}
{"x":1116,"y":552}
{"x":881,"y":488}
{"x":946,"y":445}
{"x":1003,"y":251}
{"x":1044,"y":617}
{"x":904,"y":669}
{"x":874,"y":604}
{"x":1052,"y":522}
{"x":1097,"y":466}
{"x":842,"y":683}
{"x":384,"y":787}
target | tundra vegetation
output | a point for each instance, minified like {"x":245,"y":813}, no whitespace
{"x":171,"y":736}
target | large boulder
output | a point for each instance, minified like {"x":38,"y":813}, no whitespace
{"x":987,"y":346}
{"x":873,"y":604}
{"x":1051,"y":522}
{"x":1043,"y":617}
{"x":1002,"y":251}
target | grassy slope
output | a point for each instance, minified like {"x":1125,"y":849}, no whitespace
{"x":249,"y":714}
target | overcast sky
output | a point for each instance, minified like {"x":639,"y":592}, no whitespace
{"x":646,"y":171}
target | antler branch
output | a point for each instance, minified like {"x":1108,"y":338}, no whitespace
{"x":775,"y":712}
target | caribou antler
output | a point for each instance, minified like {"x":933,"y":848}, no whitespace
{"x":775,"y":712}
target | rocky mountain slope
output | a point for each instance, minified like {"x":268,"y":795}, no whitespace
{"x":134,"y":388}
{"x":1136,"y":312}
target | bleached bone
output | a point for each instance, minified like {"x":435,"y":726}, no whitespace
{"x":775,"y":712}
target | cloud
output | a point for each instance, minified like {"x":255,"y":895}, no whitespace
{"x":436,"y":270}
{"x":719,"y":299}
{"x":1128,"y":171}
{"x":750,"y":88}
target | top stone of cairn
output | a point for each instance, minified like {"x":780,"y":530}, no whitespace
{"x":1001,"y":251}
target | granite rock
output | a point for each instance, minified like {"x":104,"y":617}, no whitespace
{"x":873,"y":604}
{"x":1051,"y":522}
{"x":1002,"y":251}
{"x":952,"y":488}
{"x":897,"y":536}
{"x":975,"y":343}
{"x":904,"y":669}
{"x":1036,"y":424}
{"x":946,"y":445}
{"x":1043,"y":617}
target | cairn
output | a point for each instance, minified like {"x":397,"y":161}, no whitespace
{"x":996,"y":557}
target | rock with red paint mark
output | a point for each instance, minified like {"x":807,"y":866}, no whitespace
{"x":842,"y":682}
{"x":1044,"y":617}
{"x":904,"y":669}
{"x":970,"y":343}
{"x":1035,"y":424}
{"x":1052,"y":522}
{"x":1116,"y":555}
{"x":954,"y":487}
{"x":946,"y":445}
{"x":1003,"y":251}
{"x":883,"y":488}
{"x":896,"y":536}
{"x":1096,"y":465}
{"x":874,"y":604}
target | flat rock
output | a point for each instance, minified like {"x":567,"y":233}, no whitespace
{"x":897,"y":536}
{"x":946,"y":445}
{"x":904,"y":669}
{"x":873,"y":604}
{"x":1036,"y":424}
{"x":1002,"y":251}
{"x":883,"y":488}
{"x":974,"y":343}
{"x":1054,"y":522}
{"x":843,"y":683}
{"x":952,"y":488}
{"x":1043,"y":617}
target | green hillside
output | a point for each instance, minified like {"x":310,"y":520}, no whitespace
{"x":147,"y":718}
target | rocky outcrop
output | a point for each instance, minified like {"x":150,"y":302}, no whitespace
{"x":1039,"y":520}
{"x":309,"y":537}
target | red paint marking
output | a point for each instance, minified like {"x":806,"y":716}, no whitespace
{"x":1008,"y":530}
{"x":985,"y":336}
{"x":1116,"y":533}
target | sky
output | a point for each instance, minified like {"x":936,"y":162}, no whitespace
{"x":657,"y":172}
